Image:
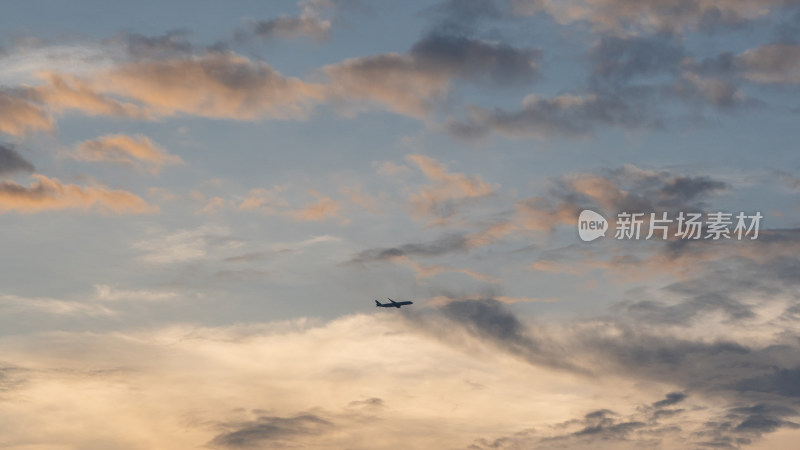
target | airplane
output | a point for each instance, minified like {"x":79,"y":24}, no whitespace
{"x":394,"y":304}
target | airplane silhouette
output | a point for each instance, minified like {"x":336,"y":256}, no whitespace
{"x":393,"y":304}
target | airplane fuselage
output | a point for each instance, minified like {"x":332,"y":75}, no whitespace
{"x":392,"y":304}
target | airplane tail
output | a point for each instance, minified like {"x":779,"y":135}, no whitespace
{"x":377,"y":303}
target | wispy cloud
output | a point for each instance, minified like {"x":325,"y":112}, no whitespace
{"x":132,"y":151}
{"x":51,"y":194}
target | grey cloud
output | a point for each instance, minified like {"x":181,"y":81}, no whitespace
{"x":490,"y":320}
{"x":248,"y":257}
{"x":792,"y":181}
{"x":784,"y":382}
{"x":242,"y":275}
{"x":627,"y":188}
{"x":370,"y":403}
{"x":603,"y":427}
{"x":601,"y":424}
{"x":478,"y":60}
{"x":762,"y":417}
{"x":617,"y":59}
{"x":631,"y":77}
{"x":673,"y":398}
{"x":774,"y":63}
{"x":463,"y":16}
{"x":416,"y":82}
{"x":741,"y":424}
{"x":727,"y":289}
{"x":788,"y":32}
{"x":11,"y":378}
{"x":444,"y":245}
{"x":288,"y":26}
{"x":563,"y":115}
{"x":714,"y":91}
{"x":703,"y":367}
{"x":12,"y":162}
{"x":656,"y":15}
{"x":267,"y":430}
{"x":167,"y":45}
{"x":684,"y":188}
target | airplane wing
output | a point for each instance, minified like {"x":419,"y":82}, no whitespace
{"x":399,"y":304}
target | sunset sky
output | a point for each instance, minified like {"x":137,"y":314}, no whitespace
{"x":201,"y":200}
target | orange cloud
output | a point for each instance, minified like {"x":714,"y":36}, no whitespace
{"x":132,"y":151}
{"x":322,"y":209}
{"x":267,"y":201}
{"x":395,"y":81}
{"x":446,"y":190}
{"x":65,"y":92}
{"x":361,"y":199}
{"x":219,"y":85}
{"x":423,"y":271}
{"x":50,"y":194}
{"x":18,"y":116}
{"x":491,"y":234}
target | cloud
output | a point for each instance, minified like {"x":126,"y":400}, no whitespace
{"x":105,"y":292}
{"x":446,"y":244}
{"x":652,"y":15}
{"x":563,"y":115}
{"x":271,"y":429}
{"x":476,"y":60}
{"x":391,"y":169}
{"x":271,"y":202}
{"x":66,"y":92}
{"x":19,"y":115}
{"x":413,"y":83}
{"x":673,"y":398}
{"x":292,"y":27}
{"x":310,"y":23}
{"x":167,"y":45}
{"x":184,"y":245}
{"x":136,"y":151}
{"x":447,"y":192}
{"x":617,"y":59}
{"x":463,"y":16}
{"x":12,"y":162}
{"x":211,"y":206}
{"x":627,"y":188}
{"x":51,"y":194}
{"x":324,"y":208}
{"x":612,"y":99}
{"x":212,"y":384}
{"x":716,"y":91}
{"x":775,"y":63}
{"x":267,"y":201}
{"x":391,"y":80}
{"x":11,"y":305}
{"x":593,"y":383}
{"x":215,"y":84}
{"x":362,"y":199}
{"x":422,"y":271}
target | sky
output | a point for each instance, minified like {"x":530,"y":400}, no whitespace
{"x":201,"y":201}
